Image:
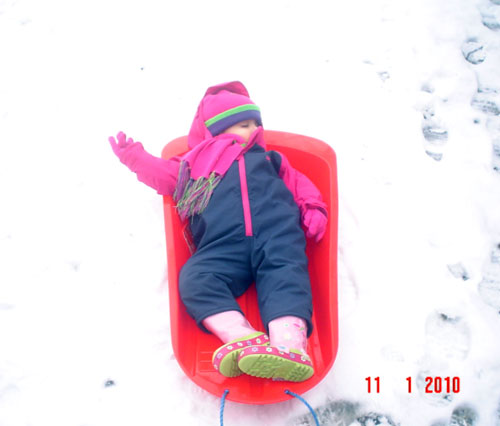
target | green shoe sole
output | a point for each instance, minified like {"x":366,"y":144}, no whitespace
{"x":229,"y":365}
{"x":275,"y":365}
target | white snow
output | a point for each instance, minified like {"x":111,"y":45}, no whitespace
{"x":84,"y":333}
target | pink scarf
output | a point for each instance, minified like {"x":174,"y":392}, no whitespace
{"x":202,"y":168}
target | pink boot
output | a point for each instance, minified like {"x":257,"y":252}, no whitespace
{"x":236,"y":332}
{"x":286,"y":358}
{"x":228,"y":326}
{"x":287,"y":333}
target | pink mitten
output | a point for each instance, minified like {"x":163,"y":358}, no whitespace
{"x":120,"y":147}
{"x":315,"y":223}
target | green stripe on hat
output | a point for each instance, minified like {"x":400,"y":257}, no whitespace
{"x":232,"y":111}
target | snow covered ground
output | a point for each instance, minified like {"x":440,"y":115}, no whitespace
{"x":408,"y":95}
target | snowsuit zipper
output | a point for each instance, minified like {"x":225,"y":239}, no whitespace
{"x":244,"y":197}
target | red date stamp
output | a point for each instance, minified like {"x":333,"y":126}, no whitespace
{"x":432,"y":384}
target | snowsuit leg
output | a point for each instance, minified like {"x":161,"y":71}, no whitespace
{"x":282,"y":278}
{"x":213,"y":277}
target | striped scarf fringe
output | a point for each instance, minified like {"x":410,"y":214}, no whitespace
{"x":192,"y":196}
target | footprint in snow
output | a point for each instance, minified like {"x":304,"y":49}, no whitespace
{"x":489,"y":287}
{"x":434,"y":132}
{"x":345,"y":413}
{"x":339,"y":413}
{"x":487,"y":101}
{"x":372,"y":419}
{"x":474,"y":51}
{"x":447,"y":340}
{"x":447,"y":336}
{"x":458,"y":270}
{"x":490,"y":15}
{"x":462,"y":415}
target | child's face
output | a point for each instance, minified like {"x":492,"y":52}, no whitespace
{"x":243,"y":129}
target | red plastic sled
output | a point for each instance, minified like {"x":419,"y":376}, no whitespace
{"x":194,"y":348}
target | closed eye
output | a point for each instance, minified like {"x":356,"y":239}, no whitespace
{"x":248,"y":123}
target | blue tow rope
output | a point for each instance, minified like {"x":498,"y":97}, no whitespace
{"x":223,"y":403}
{"x":315,"y":417}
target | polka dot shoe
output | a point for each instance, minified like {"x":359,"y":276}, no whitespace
{"x":225,"y":359}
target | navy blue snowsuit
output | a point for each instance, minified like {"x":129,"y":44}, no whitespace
{"x":249,"y":232}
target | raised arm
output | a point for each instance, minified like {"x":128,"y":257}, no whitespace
{"x":155,"y":172}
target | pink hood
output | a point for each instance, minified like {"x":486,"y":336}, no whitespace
{"x":222,"y":106}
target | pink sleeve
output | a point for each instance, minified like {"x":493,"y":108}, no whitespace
{"x":305,"y":193}
{"x":155,"y":172}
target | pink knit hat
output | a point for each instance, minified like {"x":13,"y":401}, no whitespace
{"x":222,"y":106}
